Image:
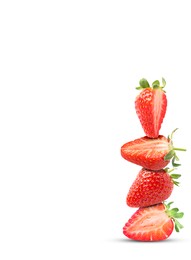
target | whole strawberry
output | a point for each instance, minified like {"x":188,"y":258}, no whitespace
{"x":151,"y":106}
{"x":153,"y":154}
{"x":151,"y":187}
{"x":153,"y":223}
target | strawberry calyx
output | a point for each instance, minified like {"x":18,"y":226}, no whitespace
{"x":174,"y":214}
{"x":172,"y":153}
{"x":174,"y":176}
{"x":143,"y":83}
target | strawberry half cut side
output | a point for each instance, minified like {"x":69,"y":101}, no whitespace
{"x":146,"y":152}
{"x":154,"y":223}
{"x":152,"y":154}
{"x":150,"y":106}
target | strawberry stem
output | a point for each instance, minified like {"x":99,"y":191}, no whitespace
{"x":179,"y":149}
{"x":172,"y":154}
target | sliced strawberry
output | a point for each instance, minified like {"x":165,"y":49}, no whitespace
{"x":153,"y":223}
{"x":153,"y":154}
{"x":146,"y":152}
{"x":151,"y":106}
{"x":151,"y":187}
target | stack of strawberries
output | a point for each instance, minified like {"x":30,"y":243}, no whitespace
{"x":154,"y":220}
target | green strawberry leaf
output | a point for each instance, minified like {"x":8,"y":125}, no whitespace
{"x":156,"y":84}
{"x":163,"y":82}
{"x":176,"y":183}
{"x":144,"y":83}
{"x":173,"y":161}
{"x":139,"y":88}
{"x":169,"y":204}
{"x":175,"y":176}
{"x":169,"y":155}
{"x":178,"y":215}
{"x":174,"y":214}
{"x":178,"y":226}
{"x":174,"y":210}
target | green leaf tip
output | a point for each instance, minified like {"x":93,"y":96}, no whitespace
{"x":156,"y":84}
{"x":144,"y":83}
{"x":163,"y":82}
{"x":178,"y":226}
{"x":173,"y":162}
{"x":139,"y":88}
{"x":175,"y":176}
{"x":169,"y":204}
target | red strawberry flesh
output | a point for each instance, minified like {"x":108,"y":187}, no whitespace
{"x":150,"y":106}
{"x":149,"y":224}
{"x":147,"y":152}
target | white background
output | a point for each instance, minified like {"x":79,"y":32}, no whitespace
{"x":68,"y":72}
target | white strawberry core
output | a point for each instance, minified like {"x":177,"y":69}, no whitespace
{"x":150,"y":220}
{"x":158,"y":104}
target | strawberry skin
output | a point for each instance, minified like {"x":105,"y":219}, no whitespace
{"x":147,"y":152}
{"x":150,"y":107}
{"x":149,"y":188}
{"x":149,"y":224}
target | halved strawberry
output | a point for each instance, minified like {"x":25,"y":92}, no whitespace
{"x":153,"y":223}
{"x":153,"y":154}
{"x":151,"y":187}
{"x":151,"y":106}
